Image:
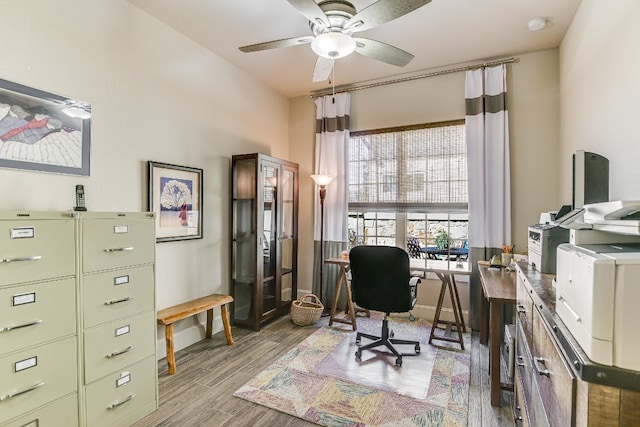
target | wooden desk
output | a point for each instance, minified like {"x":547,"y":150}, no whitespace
{"x":499,"y":287}
{"x":445,"y":271}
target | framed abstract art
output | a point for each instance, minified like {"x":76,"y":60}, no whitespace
{"x":42,"y":131}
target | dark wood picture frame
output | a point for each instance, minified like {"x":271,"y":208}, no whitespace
{"x":175,"y":195}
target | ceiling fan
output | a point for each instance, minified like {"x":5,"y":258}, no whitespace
{"x":332,"y":24}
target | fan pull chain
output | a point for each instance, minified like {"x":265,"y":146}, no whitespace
{"x":333,"y":81}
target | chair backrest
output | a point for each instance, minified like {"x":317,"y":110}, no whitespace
{"x":380,"y":278}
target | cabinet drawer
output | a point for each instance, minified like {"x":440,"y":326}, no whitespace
{"x":34,"y":313}
{"x":555,"y":379}
{"x":33,"y":377}
{"x":521,"y":413}
{"x":117,"y":293}
{"x":63,"y":412}
{"x":121,"y":393}
{"x":33,"y":250}
{"x":117,"y":242}
{"x":524,"y":307}
{"x":527,"y":384}
{"x":113,"y":346}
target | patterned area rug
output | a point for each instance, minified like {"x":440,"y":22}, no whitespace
{"x":321,"y":381}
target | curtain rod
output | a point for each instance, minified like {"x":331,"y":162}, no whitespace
{"x":329,"y":91}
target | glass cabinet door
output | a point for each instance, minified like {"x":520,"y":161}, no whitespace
{"x":287,"y":232}
{"x":244,"y":238}
{"x":269,"y":236}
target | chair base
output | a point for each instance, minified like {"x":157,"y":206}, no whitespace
{"x":386,"y":339}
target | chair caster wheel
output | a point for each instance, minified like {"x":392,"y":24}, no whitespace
{"x":358,"y":342}
{"x":417,"y":349}
{"x":358,"y":355}
{"x":412,"y":317}
{"x":399,"y":361}
{"x":392,"y":334}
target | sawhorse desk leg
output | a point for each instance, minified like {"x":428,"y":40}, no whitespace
{"x":448,"y":283}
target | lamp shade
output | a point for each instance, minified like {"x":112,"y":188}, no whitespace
{"x":322,"y":180}
{"x":333,"y":45}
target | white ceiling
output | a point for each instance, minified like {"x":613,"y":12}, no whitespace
{"x":441,"y":34}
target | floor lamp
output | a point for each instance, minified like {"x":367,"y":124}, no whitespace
{"x":322,"y":181}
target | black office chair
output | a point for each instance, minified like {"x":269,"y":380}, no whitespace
{"x":381,"y":281}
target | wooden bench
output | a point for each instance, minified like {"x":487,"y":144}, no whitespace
{"x":170,"y":315}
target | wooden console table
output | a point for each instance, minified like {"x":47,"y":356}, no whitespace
{"x":499,"y":287}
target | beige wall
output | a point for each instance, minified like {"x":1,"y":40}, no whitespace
{"x":533,"y":111}
{"x":155,"y":96}
{"x":600,"y":93}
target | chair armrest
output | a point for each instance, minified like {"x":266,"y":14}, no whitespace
{"x":413,"y":285}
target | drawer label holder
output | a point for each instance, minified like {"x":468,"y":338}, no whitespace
{"x":26,"y":298}
{"x":125,"y":378}
{"x":123,"y":330}
{"x":121,"y":280}
{"x":26,"y":364}
{"x":23,"y":233}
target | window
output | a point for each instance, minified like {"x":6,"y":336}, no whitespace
{"x":409,"y":183}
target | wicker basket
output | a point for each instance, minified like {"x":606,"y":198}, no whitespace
{"x":306,"y":310}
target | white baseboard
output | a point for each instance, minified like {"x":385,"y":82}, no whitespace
{"x":185,"y":337}
{"x":429,"y":312}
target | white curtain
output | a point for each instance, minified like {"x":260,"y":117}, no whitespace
{"x":332,"y":142}
{"x":487,"y":128}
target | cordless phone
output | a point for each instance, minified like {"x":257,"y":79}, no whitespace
{"x":80,"y":198}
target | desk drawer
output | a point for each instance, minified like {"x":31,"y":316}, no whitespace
{"x":35,"y":249}
{"x":120,"y":394}
{"x":555,"y":379}
{"x":117,"y":242}
{"x":36,"y":376}
{"x":117,"y":293}
{"x":31,"y":314}
{"x":118,"y":344}
{"x":63,"y":412}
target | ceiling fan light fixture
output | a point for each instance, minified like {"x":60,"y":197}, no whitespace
{"x":537,"y":24}
{"x":333,"y":45}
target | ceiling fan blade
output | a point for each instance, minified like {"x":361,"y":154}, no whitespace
{"x":277,"y":43}
{"x":323,"y":69}
{"x":311,"y":11}
{"x":382,"y":52}
{"x":382,"y":11}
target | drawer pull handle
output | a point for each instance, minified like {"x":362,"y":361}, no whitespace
{"x":125,"y":249}
{"x":520,"y":361}
{"x":118,"y":353}
{"x":571,"y":310}
{"x":521,"y":308}
{"x":25,"y":258}
{"x":24,"y":325}
{"x":116,"y":404}
{"x":543,"y":371}
{"x":118,"y":301}
{"x":18,"y":393}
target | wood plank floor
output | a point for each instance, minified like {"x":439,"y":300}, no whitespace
{"x":209,"y":372}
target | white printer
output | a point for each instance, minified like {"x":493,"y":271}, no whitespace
{"x":598,"y":283}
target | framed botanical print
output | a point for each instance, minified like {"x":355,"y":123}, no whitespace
{"x":175,"y":195}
